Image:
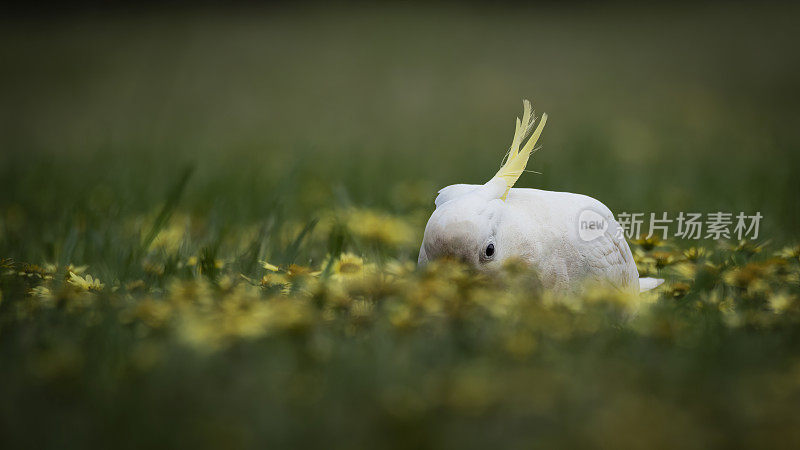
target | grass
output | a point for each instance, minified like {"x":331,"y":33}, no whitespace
{"x":209,"y":222}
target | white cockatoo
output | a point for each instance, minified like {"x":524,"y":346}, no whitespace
{"x":568,"y":239}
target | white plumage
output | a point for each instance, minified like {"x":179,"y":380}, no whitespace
{"x":485,"y":225}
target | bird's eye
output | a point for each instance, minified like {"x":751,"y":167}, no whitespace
{"x":490,"y":250}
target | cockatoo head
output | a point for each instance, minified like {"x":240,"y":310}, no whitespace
{"x":466,"y":225}
{"x":472,"y":223}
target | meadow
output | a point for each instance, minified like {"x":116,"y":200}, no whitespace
{"x":209,"y":224}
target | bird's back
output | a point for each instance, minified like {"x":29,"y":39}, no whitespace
{"x":553,"y":221}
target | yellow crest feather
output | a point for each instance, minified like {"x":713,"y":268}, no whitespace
{"x":516,"y":159}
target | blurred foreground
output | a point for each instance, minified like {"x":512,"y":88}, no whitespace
{"x":209,"y":223}
{"x":363,"y":354}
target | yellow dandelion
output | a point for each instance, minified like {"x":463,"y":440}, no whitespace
{"x":348,"y":264}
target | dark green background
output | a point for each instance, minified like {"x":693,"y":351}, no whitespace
{"x":670,"y":108}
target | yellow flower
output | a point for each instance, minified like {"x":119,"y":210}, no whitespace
{"x":780,"y":302}
{"x":41,"y":292}
{"x":401,"y":316}
{"x":685,"y":270}
{"x":381,"y":227}
{"x":170,"y":237}
{"x":87,"y":283}
{"x":32,"y":270}
{"x":678,"y":290}
{"x":75,"y":269}
{"x":745,"y":246}
{"x":295,"y":270}
{"x":348,"y":264}
{"x":6,"y":263}
{"x":648,"y":243}
{"x":789,"y":252}
{"x":275,"y":279}
{"x":744,"y":277}
{"x":270,"y":267}
{"x":646,"y":264}
{"x":662,"y":259}
{"x":695,"y":253}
